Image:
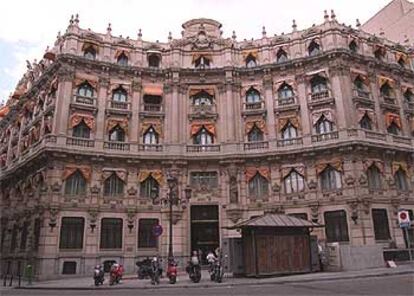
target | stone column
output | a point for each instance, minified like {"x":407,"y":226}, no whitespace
{"x":269,"y":101}
{"x":306,"y":119}
{"x":64,"y":97}
{"x":102,"y":94}
{"x":136,"y":94}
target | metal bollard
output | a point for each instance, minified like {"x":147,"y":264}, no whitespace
{"x":5,"y":280}
{"x":20,"y":280}
{"x":11,"y":280}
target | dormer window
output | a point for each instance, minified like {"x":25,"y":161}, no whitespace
{"x":252,"y":96}
{"x":202,"y":62}
{"x":285,"y":91}
{"x":379,"y":53}
{"x":90,"y":53}
{"x":251,"y":61}
{"x":202,"y":98}
{"x":353,"y":46}
{"x":122,"y":59}
{"x":318,"y":84}
{"x":313,"y":48}
{"x":154,"y":60}
{"x":281,"y":56}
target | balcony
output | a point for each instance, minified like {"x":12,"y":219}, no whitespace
{"x":289,"y":142}
{"x":84,"y":100}
{"x":203,"y":111}
{"x":150,"y":147}
{"x":256,"y":108}
{"x":320,"y":95}
{"x":374,"y":135}
{"x":401,"y":140}
{"x":325,"y":137}
{"x":81,"y":142}
{"x":389,"y":100}
{"x":286,"y":101}
{"x":256,"y":145}
{"x":203,"y":148}
{"x":119,"y":105}
{"x":151,"y":109}
{"x":360,"y":93}
{"x":121,"y":146}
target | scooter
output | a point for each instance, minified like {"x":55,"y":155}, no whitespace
{"x":98,"y":275}
{"x":155,"y":271}
{"x":218,"y":272}
{"x":172,"y":271}
{"x":115,"y":274}
{"x":194,"y":272}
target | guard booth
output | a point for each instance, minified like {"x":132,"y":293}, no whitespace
{"x":276,"y":244}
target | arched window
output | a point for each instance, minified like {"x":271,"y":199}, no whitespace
{"x":149,"y":188}
{"x":400,"y":179}
{"x":374,"y":178}
{"x":323,"y":126}
{"x":203,"y":137}
{"x":408,"y":96}
{"x":75,"y":184}
{"x":258,"y":186}
{"x":281,"y":56}
{"x":150,"y":137}
{"x":255,"y":135}
{"x":393,"y":129}
{"x":122,"y":59}
{"x":330,"y":179}
{"x":365,"y":122}
{"x":113,"y":186}
{"x":119,"y":95}
{"x":359,"y":83}
{"x":202,"y":98}
{"x":294,"y":182}
{"x":289,"y":132}
{"x":379,"y":53}
{"x":313,"y":48}
{"x":90,"y":53}
{"x":154,"y":60}
{"x":285,"y":91}
{"x":202,"y":62}
{"x":252,"y":96}
{"x":386,"y":90}
{"x":81,"y":131}
{"x":85,"y":90}
{"x":401,"y":62}
{"x":117,"y":134}
{"x":318,"y":84}
{"x":353,"y":46}
{"x":251,"y":61}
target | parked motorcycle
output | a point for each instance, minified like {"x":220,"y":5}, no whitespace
{"x":194,"y":272}
{"x":98,"y":275}
{"x":115,"y":274}
{"x":217,"y":272}
{"x":172,"y":271}
{"x":144,"y":268}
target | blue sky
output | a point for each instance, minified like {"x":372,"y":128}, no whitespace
{"x":27,"y":27}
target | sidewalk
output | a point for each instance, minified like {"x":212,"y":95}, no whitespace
{"x":131,"y":281}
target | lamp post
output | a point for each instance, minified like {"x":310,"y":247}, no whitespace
{"x":172,"y":198}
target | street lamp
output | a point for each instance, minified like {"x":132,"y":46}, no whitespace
{"x":172,"y":198}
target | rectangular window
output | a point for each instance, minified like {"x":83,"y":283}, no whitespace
{"x":336,"y":226}
{"x":146,"y":237}
{"x":69,"y":267}
{"x":204,"y":180}
{"x":23,"y":238}
{"x":13,"y":243}
{"x":36,"y":233}
{"x":71,"y":233}
{"x":111,"y":233}
{"x":381,"y":228}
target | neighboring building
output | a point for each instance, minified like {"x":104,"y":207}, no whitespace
{"x":394,"y":22}
{"x":316,"y":123}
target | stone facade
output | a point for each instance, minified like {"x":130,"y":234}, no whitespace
{"x":305,"y":81}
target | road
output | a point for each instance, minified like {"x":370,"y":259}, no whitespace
{"x":389,"y":285}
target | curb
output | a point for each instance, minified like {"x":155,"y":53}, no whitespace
{"x":224,"y":284}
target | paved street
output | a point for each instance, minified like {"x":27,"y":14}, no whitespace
{"x":386,"y":285}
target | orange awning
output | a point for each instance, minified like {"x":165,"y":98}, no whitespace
{"x":153,"y":90}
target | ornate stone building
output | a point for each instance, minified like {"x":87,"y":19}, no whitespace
{"x":316,"y":123}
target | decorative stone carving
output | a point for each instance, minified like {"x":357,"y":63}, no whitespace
{"x":93,"y":215}
{"x":362,"y":179}
{"x":312,"y":184}
{"x":314,"y":212}
{"x":349,"y":180}
{"x":234,"y":214}
{"x":53,"y":213}
{"x":131,"y":212}
{"x":276,"y":188}
{"x":95,"y":189}
{"x":132,"y":191}
{"x":56,"y":187}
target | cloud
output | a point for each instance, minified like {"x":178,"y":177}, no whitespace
{"x":29,"y":26}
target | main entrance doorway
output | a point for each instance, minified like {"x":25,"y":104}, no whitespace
{"x":205,"y":235}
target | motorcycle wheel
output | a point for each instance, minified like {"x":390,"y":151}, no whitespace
{"x":96,"y":282}
{"x":173,"y":279}
{"x":212,"y":277}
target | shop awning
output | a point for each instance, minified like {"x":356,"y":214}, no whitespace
{"x":275,"y":220}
